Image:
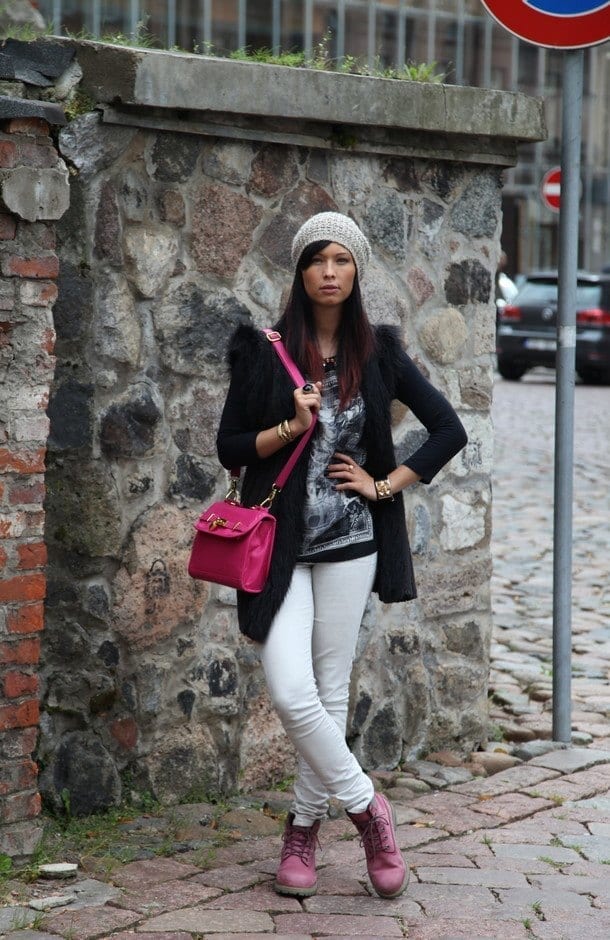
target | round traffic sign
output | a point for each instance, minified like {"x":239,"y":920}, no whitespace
{"x":558,"y":24}
{"x":551,"y":189}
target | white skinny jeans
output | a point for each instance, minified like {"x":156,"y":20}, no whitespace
{"x":307,"y":659}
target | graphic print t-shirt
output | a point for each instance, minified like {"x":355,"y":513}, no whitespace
{"x":338,"y":524}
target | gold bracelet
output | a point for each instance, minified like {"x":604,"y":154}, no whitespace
{"x":383,"y":489}
{"x":283,"y":432}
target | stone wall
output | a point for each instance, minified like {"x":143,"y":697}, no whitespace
{"x":34,"y":192}
{"x":179,"y":229}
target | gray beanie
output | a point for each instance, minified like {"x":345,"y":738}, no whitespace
{"x":333,"y":227}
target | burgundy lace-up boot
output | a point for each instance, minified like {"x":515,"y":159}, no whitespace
{"x":297,"y":870}
{"x":386,"y":867}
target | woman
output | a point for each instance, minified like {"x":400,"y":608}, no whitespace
{"x":340,"y":528}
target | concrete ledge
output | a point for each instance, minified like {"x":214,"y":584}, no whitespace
{"x":312,"y":107}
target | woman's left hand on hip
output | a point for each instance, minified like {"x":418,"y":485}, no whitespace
{"x":351,"y":476}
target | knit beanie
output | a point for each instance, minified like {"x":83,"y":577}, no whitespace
{"x":333,"y":227}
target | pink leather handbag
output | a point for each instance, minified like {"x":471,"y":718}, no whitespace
{"x":233,"y":543}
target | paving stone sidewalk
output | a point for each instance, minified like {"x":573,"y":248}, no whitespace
{"x":522,"y":853}
{"x":511,"y":842}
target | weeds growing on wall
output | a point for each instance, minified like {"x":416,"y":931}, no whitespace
{"x":320,"y":58}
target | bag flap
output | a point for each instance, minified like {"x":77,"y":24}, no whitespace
{"x":229,"y":520}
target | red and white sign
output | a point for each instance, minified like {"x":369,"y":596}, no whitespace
{"x":551,"y":189}
{"x":557,"y":24}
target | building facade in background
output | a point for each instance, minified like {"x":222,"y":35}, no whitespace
{"x":458,"y":35}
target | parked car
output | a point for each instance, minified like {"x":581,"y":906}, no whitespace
{"x":527,"y":327}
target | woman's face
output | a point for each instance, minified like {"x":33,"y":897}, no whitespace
{"x":329,"y":279}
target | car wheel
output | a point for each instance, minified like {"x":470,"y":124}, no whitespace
{"x":511,"y":371}
{"x":593,"y":376}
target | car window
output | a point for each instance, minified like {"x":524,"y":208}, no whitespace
{"x":537,"y":292}
{"x":545,"y":292}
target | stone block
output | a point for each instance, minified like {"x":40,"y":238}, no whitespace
{"x":194,"y":325}
{"x":464,"y":519}
{"x":205,"y":920}
{"x":153,"y":593}
{"x":223,"y":229}
{"x":71,"y":415}
{"x":467,"y":282}
{"x":386,"y":225}
{"x":107,"y":235}
{"x":150,"y":256}
{"x":84,"y":769}
{"x":88,"y":924}
{"x":83,"y":512}
{"x":443,"y":335}
{"x":338,"y":925}
{"x":570,"y":760}
{"x":92,"y":146}
{"x":476,"y":213}
{"x":128,"y":426}
{"x":117,"y":327}
{"x":20,"y":840}
{"x":273,"y":168}
{"x":34,"y":194}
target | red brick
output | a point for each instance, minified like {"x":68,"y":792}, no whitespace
{"x":19,"y":716}
{"x":27,"y":125}
{"x":6,"y":328}
{"x":18,"y":743}
{"x":43,"y":266}
{"x":3,"y":557}
{"x":21,"y":523}
{"x":29,"y":618}
{"x":19,"y":806}
{"x":21,"y":653}
{"x":8,"y":153}
{"x":22,"y":461}
{"x":25,"y":587}
{"x":48,"y":341}
{"x":40,"y":234}
{"x":38,"y":154}
{"x":38,"y":293}
{"x":35,"y":524}
{"x":20,"y":776}
{"x":18,"y":684}
{"x":32,"y":555}
{"x":8,"y":226}
{"x":27,"y":494}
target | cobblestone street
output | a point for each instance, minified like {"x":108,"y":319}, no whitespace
{"x":510,"y":844}
{"x":523,"y":555}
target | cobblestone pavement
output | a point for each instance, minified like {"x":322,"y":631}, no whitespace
{"x":513,"y":842}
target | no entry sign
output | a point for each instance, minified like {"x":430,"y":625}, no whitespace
{"x":551,"y":189}
{"x":558,"y":24}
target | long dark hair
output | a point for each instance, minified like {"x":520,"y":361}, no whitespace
{"x":356,"y":336}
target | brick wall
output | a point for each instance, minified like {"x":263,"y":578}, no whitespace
{"x":34,"y":192}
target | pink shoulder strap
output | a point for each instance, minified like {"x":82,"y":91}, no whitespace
{"x":291,"y":368}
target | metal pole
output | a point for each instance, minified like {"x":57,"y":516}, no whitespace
{"x":372,"y":39}
{"x":276,"y":27}
{"x":564,"y":397}
{"x":171,"y":24}
{"x":134,"y":13}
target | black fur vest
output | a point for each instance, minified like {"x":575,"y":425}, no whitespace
{"x":267,"y":392}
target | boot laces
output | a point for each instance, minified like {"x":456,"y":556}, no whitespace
{"x":376,"y":835}
{"x":300,"y":841}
